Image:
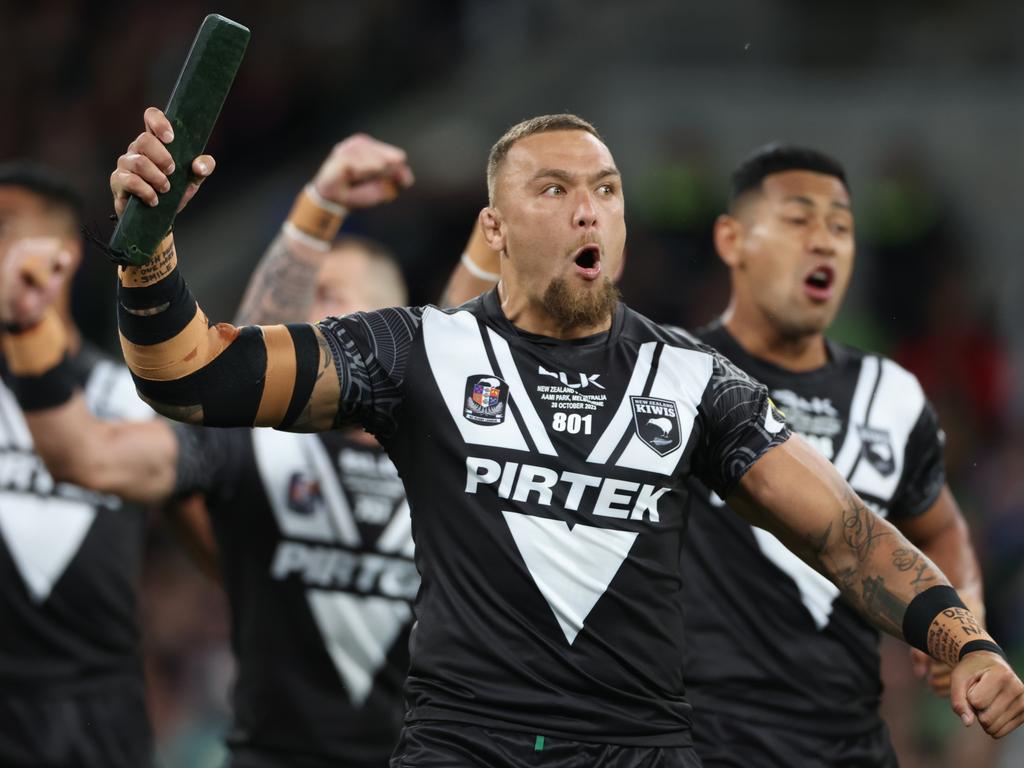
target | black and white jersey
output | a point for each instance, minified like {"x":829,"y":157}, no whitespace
{"x":545,"y":479}
{"x":69,"y":558}
{"x":316,"y":556}
{"x":772,"y":642}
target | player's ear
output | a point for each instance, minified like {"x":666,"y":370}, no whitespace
{"x":728,"y":235}
{"x":491,"y":224}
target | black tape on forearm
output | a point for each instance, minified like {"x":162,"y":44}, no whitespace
{"x":173,"y":304}
{"x":307,"y":350}
{"x":48,"y":390}
{"x":982,"y":645}
{"x":922,"y":612}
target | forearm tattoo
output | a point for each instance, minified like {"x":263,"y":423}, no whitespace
{"x":877,"y":570}
{"x":281,"y":289}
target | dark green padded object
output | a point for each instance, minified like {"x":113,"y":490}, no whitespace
{"x":195,"y":102}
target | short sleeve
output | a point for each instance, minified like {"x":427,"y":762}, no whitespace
{"x":371,"y":355}
{"x":739,"y":424}
{"x":924,"y":471}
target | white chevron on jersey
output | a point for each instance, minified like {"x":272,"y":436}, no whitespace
{"x":13,"y":429}
{"x":572,"y":567}
{"x":896,"y":408}
{"x":455,"y":351}
{"x":330,"y":486}
{"x":851,"y":448}
{"x":280,"y":457}
{"x":817,"y":593}
{"x":44,"y":533}
{"x":396,"y":538}
{"x":682,"y":376}
{"x":358,"y":632}
{"x":519,"y":395}
{"x":623,"y":418}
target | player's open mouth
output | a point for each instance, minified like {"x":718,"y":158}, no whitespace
{"x":588,"y":261}
{"x":818,"y":282}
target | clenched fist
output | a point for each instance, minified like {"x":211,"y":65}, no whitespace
{"x":361,"y":172}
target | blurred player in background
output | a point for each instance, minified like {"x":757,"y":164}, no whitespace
{"x":516,"y":658}
{"x":71,"y":683}
{"x":313,"y":532}
{"x":803,"y":689}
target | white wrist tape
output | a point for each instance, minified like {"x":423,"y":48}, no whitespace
{"x":477,"y":271}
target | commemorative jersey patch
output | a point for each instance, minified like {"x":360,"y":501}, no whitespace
{"x":486,"y":400}
{"x":657,"y":423}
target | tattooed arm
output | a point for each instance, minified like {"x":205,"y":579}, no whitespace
{"x":797,"y":495}
{"x":360,"y":172}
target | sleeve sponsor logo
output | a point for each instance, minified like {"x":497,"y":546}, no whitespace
{"x":657,"y":423}
{"x":486,"y":400}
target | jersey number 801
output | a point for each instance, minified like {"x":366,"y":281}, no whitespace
{"x":572,"y":423}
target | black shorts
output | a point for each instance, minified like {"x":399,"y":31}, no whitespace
{"x":733,"y":742}
{"x":252,"y":757}
{"x":104,"y":728}
{"x":441,"y":744}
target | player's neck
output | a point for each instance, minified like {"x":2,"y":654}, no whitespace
{"x":761,"y":339}
{"x":530,"y":316}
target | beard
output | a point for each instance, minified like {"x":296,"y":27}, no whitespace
{"x":579,"y":308}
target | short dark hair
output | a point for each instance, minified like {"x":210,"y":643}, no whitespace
{"x":541,"y":124}
{"x":777,"y":158}
{"x":44,"y":182}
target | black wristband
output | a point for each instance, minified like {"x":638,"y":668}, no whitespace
{"x":922,"y":612}
{"x":981,"y":645}
{"x":48,"y":390}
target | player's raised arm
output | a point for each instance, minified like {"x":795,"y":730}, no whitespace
{"x":192,"y":370}
{"x":798,"y":495}
{"x":360,"y":172}
{"x":478,"y":270}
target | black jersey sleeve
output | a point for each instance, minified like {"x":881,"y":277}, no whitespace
{"x":924,"y":470}
{"x":739,"y":423}
{"x":371,"y":353}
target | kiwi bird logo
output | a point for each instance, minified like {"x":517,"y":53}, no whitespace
{"x":656,"y":421}
{"x":663,"y":424}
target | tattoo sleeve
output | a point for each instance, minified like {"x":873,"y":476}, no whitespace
{"x":282,"y":287}
{"x":878,"y":571}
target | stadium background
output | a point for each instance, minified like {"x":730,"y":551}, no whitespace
{"x":921,"y":100}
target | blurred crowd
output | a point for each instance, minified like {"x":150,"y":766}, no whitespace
{"x":78,"y":90}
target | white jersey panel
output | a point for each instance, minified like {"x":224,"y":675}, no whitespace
{"x":572,"y":567}
{"x":896,"y":408}
{"x":682,"y":377}
{"x":623,"y":418}
{"x":456,"y":353}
